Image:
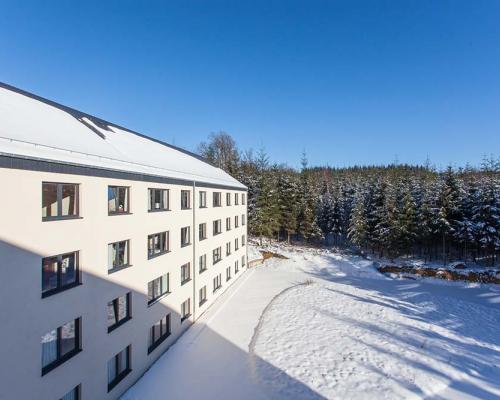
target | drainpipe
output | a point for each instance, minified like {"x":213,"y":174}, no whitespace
{"x":194,"y":252}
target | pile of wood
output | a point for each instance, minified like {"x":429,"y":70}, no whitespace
{"x":269,"y":254}
{"x":488,"y":276}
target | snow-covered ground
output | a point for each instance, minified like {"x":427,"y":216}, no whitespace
{"x":325,"y":325}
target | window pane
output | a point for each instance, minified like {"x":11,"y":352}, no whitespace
{"x":71,"y":395}
{"x":122,"y":307}
{"x":157,"y":331}
{"x":49,"y":200}
{"x":111,"y":313}
{"x":157,"y":288}
{"x":69,"y":201}
{"x":49,"y":274}
{"x":122,"y":199}
{"x":68,"y":269}
{"x":112,"y":370}
{"x":150,"y":290}
{"x":68,"y":338}
{"x":165,"y":199}
{"x":49,"y":348}
{"x":164,"y":283}
{"x":112,"y":203}
{"x":123,"y":361}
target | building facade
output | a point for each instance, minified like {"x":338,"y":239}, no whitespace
{"x":107,"y":258}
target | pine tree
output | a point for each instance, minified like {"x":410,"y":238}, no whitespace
{"x":358,"y":226}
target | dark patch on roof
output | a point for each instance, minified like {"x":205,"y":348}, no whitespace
{"x":101,"y":123}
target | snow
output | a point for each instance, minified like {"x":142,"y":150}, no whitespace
{"x":327,"y":325}
{"x":31,"y":128}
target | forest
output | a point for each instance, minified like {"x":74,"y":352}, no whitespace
{"x":394,"y":210}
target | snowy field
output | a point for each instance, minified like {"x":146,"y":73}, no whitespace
{"x":325,"y":325}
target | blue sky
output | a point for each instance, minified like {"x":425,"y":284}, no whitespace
{"x":351,"y":82}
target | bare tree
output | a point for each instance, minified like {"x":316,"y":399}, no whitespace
{"x":221,"y":150}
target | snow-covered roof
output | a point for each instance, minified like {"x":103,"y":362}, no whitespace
{"x":37,"y":128}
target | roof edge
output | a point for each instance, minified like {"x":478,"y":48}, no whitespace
{"x":80,"y":114}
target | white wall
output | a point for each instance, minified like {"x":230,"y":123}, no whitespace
{"x":25,"y":316}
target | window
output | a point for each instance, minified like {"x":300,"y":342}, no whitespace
{"x":118,"y":200}
{"x":118,"y":367}
{"x":236,"y":245}
{"x":228,"y":223}
{"x":242,"y":261}
{"x":185,"y":236}
{"x":203,"y":263}
{"x":236,"y":199}
{"x":242,"y":240}
{"x":217,"y":199}
{"x":118,"y":256}
{"x":228,"y":248}
{"x":73,"y":394}
{"x":158,"y":200}
{"x":158,"y":244}
{"x":203,"y":295}
{"x":203,"y":199}
{"x":203,"y":231}
{"x":217,"y":282}
{"x":228,"y":199}
{"x":59,"y":200}
{"x":159,"y":332}
{"x":185,"y":199}
{"x":217,"y":255}
{"x":185,"y":273}
{"x":236,"y":267}
{"x":186,"y":309}
{"x":157,"y":288}
{"x":243,"y":219}
{"x":243,"y":198}
{"x":118,"y":311}
{"x":60,"y":273}
{"x":60,"y":345}
{"x":217,"y":227}
{"x":228,"y":273}
{"x":236,"y":221}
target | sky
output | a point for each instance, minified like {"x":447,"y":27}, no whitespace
{"x":350,"y":82}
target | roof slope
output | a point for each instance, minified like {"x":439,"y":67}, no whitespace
{"x":33,"y":127}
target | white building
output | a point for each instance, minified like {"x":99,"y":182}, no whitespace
{"x":111,"y":244}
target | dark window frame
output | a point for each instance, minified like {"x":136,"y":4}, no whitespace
{"x":124,"y":212}
{"x":203,"y":199}
{"x":217,"y":199}
{"x":204,"y":258}
{"x":188,"y":199}
{"x":128,"y":317}
{"x":59,"y":287}
{"x":185,"y":279}
{"x":162,"y":206}
{"x":228,"y":199}
{"x":188,"y":243}
{"x":77,"y":392}
{"x":217,"y":227}
{"x":203,"y":299}
{"x":59,"y":190}
{"x":217,"y":250}
{"x":123,"y":266}
{"x":166,"y":244}
{"x":217,"y":281}
{"x":185,"y":316}
{"x":204,"y":231}
{"x":61,"y":359}
{"x":124,"y":373}
{"x":163,"y":335}
{"x":154,"y":300}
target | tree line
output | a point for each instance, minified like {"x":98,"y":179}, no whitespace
{"x":392,"y":211}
